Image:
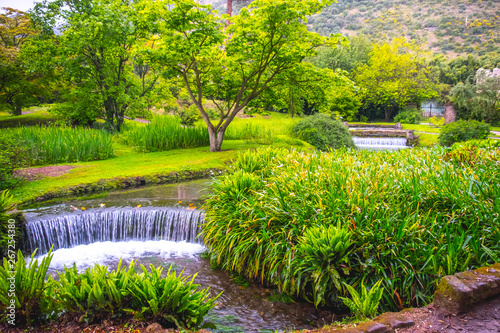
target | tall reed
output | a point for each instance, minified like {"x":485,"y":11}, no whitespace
{"x":165,"y":133}
{"x":51,"y":145}
{"x":413,"y":216}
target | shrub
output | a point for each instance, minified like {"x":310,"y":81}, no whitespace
{"x":323,"y":132}
{"x":12,"y":154}
{"x":165,"y":133}
{"x":411,"y":215}
{"x":97,"y":294}
{"x":7,"y":232}
{"x":411,"y":116}
{"x":31,"y":295}
{"x":437,"y":121}
{"x":188,"y":115}
{"x":463,"y":130}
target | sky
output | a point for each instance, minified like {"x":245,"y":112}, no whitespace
{"x":23,"y":5}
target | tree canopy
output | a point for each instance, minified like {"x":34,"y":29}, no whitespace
{"x":93,"y":47}
{"x":229,"y":64}
{"x":18,"y":86}
{"x":395,"y":75}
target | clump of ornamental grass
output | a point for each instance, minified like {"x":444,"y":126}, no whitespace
{"x":52,"y":144}
{"x":409,"y":217}
{"x":165,"y":133}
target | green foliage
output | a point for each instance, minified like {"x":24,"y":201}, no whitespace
{"x":263,"y":44}
{"x":323,"y":132}
{"x":52,"y":145}
{"x":409,"y":116}
{"x":103,"y":35}
{"x":8,"y":234}
{"x":12,"y":155}
{"x":321,"y":251}
{"x":365,"y":304}
{"x":165,"y":133}
{"x":188,"y":115}
{"x":412,"y":217}
{"x":437,"y":121}
{"x":97,"y":293}
{"x":24,"y":286}
{"x":463,"y":130}
{"x":394,"y":76}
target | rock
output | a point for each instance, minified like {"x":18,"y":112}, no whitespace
{"x":394,"y":320}
{"x":374,"y":327}
{"x":457,"y":293}
{"x":398,"y":126}
{"x":154,"y":328}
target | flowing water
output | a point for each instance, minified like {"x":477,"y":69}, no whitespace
{"x":137,"y":229}
{"x":380,"y":143}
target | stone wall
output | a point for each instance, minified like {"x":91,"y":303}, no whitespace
{"x":450,"y":115}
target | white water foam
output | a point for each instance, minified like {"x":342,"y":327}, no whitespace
{"x":105,"y":253}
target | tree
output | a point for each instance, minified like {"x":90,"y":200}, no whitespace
{"x":94,"y":46}
{"x":18,"y":86}
{"x":346,"y":56}
{"x":395,"y":75}
{"x":480,"y":100}
{"x":230,"y":65}
{"x":323,"y":89}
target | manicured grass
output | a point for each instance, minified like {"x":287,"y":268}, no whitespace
{"x":39,"y":116}
{"x":422,"y":128}
{"x":427,"y":140}
{"x":130,"y":163}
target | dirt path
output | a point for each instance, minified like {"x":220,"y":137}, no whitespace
{"x":482,"y":318}
{"x":48,"y":171}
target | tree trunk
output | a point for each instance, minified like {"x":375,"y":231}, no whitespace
{"x":230,"y":7}
{"x":17,"y":111}
{"x":216,"y":138}
{"x":388,"y":112}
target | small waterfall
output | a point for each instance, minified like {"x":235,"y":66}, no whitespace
{"x":174,"y":224}
{"x":380,"y":143}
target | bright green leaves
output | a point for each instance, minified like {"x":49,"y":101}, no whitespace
{"x":364,"y":304}
{"x":25,"y":284}
{"x":394,"y":76}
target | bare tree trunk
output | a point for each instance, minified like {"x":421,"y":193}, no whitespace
{"x":230,"y":7}
{"x":216,"y":138}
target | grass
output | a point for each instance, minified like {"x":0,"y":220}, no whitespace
{"x":39,"y":116}
{"x":51,"y":145}
{"x":129,"y":163}
{"x":165,"y":133}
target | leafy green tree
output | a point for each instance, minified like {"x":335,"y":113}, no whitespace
{"x":395,"y":75}
{"x":480,"y":100}
{"x":234,"y":64}
{"x":95,"y":49}
{"x":325,"y":90}
{"x":18,"y":86}
{"x":346,"y":56}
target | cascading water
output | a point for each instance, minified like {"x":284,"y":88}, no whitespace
{"x":174,"y":224}
{"x":380,"y":143}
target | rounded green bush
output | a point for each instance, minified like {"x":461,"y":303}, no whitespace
{"x":411,"y":116}
{"x":463,"y":131}
{"x":323,"y":132}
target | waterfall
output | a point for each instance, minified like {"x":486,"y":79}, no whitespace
{"x":380,"y":143}
{"x":174,"y":224}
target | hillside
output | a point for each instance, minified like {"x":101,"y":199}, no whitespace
{"x":452,"y":27}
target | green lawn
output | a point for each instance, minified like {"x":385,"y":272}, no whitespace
{"x":38,"y":115}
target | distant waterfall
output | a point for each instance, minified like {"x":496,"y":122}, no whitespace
{"x":174,"y":224}
{"x":380,"y":143}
